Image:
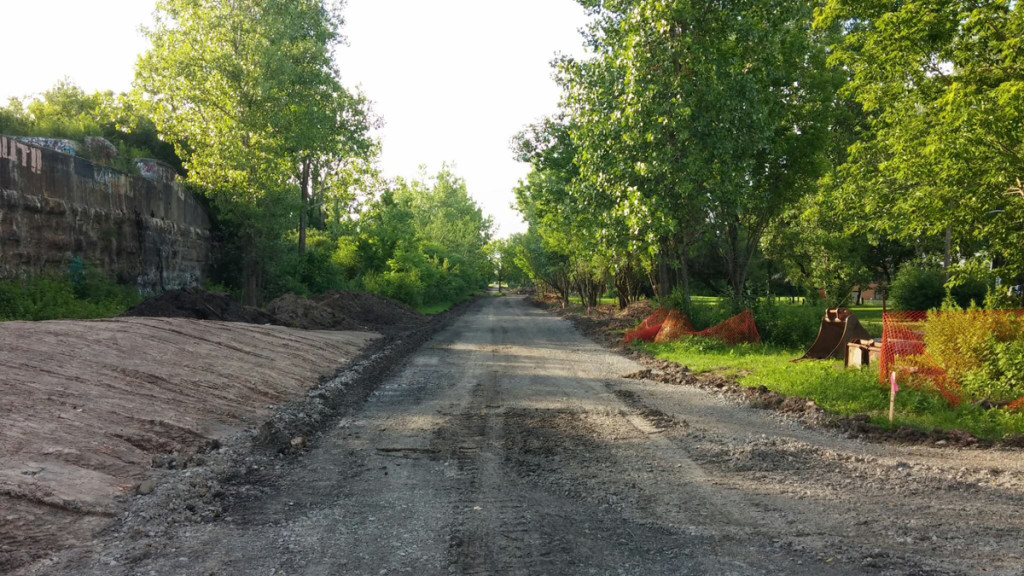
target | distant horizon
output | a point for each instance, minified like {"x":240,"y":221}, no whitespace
{"x":453,"y":81}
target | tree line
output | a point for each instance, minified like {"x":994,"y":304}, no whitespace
{"x":758,"y":147}
{"x":245,"y":99}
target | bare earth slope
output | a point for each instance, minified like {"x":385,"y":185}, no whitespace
{"x":85,"y":406}
{"x":511,"y":445}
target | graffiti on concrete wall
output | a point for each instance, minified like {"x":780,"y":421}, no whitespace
{"x":59,"y":144}
{"x":21,"y":153}
{"x":155,"y":170}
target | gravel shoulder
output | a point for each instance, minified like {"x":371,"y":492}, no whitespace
{"x":511,"y":444}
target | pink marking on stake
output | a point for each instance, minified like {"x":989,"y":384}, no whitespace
{"x":895,"y":386}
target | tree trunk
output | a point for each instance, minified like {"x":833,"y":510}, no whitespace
{"x":684,"y":275}
{"x":317,"y":218}
{"x":664,"y":283}
{"x":304,"y":210}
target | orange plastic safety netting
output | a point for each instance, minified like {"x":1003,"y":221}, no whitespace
{"x":665,"y":326}
{"x":676,"y":326}
{"x":649,"y":328}
{"x":903,"y":352}
{"x":736,"y":330}
{"x":954,"y":334}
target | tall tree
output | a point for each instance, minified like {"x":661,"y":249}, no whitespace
{"x":942,"y":84}
{"x":248,"y":93}
{"x":700,"y":118}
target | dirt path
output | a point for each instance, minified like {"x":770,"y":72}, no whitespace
{"x":510,"y":445}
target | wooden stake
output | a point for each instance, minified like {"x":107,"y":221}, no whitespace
{"x":893,"y":389}
{"x":892,"y":406}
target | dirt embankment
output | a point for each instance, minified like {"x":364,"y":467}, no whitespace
{"x":341,"y":310}
{"x":89,"y":407}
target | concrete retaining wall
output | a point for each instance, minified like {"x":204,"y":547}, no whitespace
{"x":55,"y":207}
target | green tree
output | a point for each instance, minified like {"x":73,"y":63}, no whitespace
{"x":942,"y":84}
{"x":247,"y":92}
{"x":699,"y":119}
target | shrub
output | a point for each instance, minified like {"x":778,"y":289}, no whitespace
{"x":916,"y":288}
{"x":86,"y":292}
{"x":971,"y":292}
{"x":403,"y":286}
{"x":790,"y":326}
{"x":983,"y":351}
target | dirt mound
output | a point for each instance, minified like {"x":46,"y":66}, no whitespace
{"x":90,"y":407}
{"x":636,"y":310}
{"x":199,"y":304}
{"x":375,"y":312}
{"x":300,"y":312}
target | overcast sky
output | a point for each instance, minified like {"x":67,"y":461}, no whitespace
{"x":453,"y":80}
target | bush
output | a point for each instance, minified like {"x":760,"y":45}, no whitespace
{"x":983,"y":351}
{"x":790,"y":326}
{"x":971,"y":292}
{"x":916,"y":288}
{"x":86,"y":292}
{"x":402,"y":286}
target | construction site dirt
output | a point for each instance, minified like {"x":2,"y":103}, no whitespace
{"x":511,"y":444}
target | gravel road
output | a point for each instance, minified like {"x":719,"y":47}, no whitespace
{"x":510,"y":444}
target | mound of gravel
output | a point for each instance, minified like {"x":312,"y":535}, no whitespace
{"x":300,"y":312}
{"x":199,"y":305}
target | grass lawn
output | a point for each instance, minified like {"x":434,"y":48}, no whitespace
{"x":870,"y":317}
{"x":834,"y":388}
{"x":601,"y":301}
{"x":434,"y":309}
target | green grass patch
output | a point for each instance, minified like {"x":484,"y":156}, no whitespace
{"x":834,"y":388}
{"x":576,"y":300}
{"x":434,"y":309}
{"x":870,"y":317}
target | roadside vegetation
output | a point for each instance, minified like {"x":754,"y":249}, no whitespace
{"x":834,"y":388}
{"x":789,"y":160}
{"x":85,"y":292}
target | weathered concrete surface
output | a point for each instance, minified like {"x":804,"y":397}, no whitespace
{"x":85,"y":406}
{"x":56,"y":206}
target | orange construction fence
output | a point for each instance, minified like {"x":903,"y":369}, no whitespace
{"x":675,"y":325}
{"x":904,"y":352}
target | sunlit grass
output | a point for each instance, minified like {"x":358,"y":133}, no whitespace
{"x":833,"y":387}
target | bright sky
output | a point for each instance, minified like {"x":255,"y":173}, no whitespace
{"x":454,"y":80}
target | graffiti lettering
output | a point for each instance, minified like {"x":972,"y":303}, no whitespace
{"x":27,"y":156}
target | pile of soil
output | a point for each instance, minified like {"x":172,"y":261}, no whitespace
{"x":199,"y":304}
{"x":299,"y":312}
{"x":375,"y":312}
{"x":636,"y":310}
{"x":346,"y":310}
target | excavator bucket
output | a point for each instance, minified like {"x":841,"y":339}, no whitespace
{"x":839,"y":327}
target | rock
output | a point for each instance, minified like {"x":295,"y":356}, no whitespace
{"x":146,"y":487}
{"x":100,"y":149}
{"x":298,"y":443}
